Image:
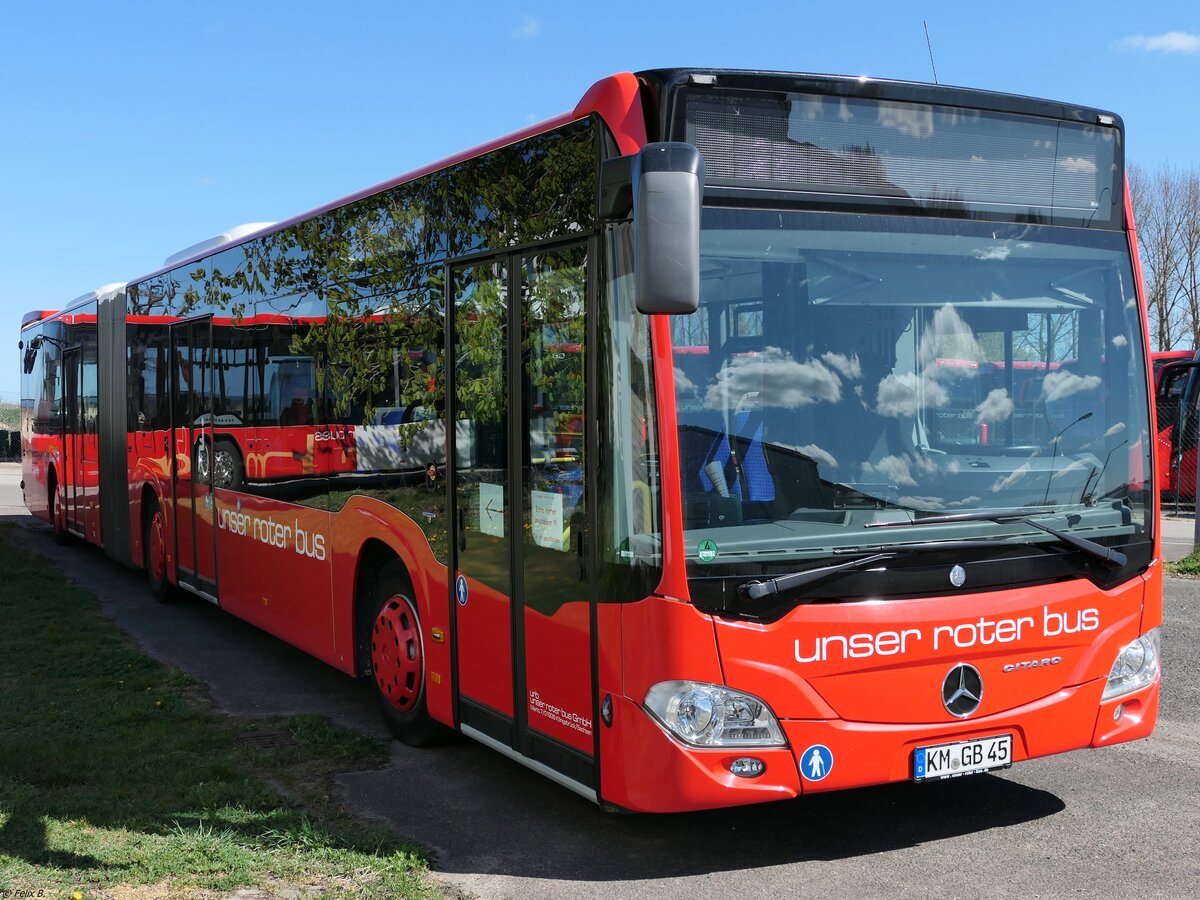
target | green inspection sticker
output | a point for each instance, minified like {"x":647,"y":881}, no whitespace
{"x":707,"y":551}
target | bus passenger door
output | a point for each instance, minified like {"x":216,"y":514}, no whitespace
{"x":481,"y":519}
{"x":522,"y":606}
{"x":87,"y":474}
{"x":74,"y":498}
{"x":556,"y":607}
{"x":192,"y":443}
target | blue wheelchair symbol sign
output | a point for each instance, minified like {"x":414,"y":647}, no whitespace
{"x":816,"y":762}
{"x":460,"y":589}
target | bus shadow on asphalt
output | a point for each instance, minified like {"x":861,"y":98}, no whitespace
{"x":479,"y":812}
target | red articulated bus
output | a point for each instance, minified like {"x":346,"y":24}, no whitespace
{"x":734,"y":436}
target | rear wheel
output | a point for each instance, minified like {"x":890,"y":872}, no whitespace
{"x":58,"y":513}
{"x":397,"y":648}
{"x":154,"y":550}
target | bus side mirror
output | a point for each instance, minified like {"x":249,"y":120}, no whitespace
{"x":30,"y":354}
{"x":668,"y":184}
{"x":662,"y":185}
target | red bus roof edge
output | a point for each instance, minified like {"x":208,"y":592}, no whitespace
{"x":617,"y":100}
{"x":36,"y":316}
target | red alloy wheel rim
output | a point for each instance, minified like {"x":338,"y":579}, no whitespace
{"x":158,"y":562}
{"x":396,"y":656}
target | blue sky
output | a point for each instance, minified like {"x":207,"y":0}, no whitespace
{"x":131,"y":130}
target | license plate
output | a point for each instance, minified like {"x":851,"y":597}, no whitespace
{"x":962,"y":758}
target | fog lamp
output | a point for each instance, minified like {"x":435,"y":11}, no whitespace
{"x":747,"y":767}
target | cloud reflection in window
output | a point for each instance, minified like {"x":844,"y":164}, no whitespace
{"x":1003,"y":484}
{"x":997,"y":406}
{"x":818,"y":454}
{"x":1060,"y":385}
{"x":777,"y":378}
{"x":900,"y":396}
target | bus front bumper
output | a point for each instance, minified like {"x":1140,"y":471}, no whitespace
{"x":648,"y":770}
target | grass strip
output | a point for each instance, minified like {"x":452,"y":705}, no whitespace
{"x":115,"y":770}
{"x":1189,"y":565}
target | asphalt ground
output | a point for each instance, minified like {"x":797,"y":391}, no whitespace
{"x":1106,"y":823}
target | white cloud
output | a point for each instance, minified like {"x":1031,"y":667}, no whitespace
{"x":1171,"y":42}
{"x":777,"y":378}
{"x":965,"y":501}
{"x":996,"y":407}
{"x":847,"y":365}
{"x":949,"y":335}
{"x":683,"y":384}
{"x":809,"y":109}
{"x":902,"y":395}
{"x":1072,"y":468}
{"x":1119,"y":341}
{"x":893,"y":468}
{"x":1059,"y":385}
{"x":528,"y":29}
{"x":999,"y":252}
{"x":818,"y":454}
{"x":914,"y":120}
{"x":923,"y":502}
{"x":1009,"y":480}
{"x":1078,"y":165}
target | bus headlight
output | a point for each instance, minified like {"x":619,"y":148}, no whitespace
{"x":708,"y":715}
{"x":1136,"y":667}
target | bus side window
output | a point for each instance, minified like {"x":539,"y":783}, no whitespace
{"x":298,"y":410}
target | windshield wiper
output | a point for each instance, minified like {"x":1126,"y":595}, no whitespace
{"x":1114,"y":558}
{"x":757,"y":589}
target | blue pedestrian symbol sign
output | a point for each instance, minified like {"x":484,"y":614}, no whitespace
{"x":816,"y":762}
{"x":460,"y":589}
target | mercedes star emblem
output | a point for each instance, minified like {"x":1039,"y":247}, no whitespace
{"x":962,"y":691}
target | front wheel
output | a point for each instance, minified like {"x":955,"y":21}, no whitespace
{"x":398,"y":660}
{"x":154,"y":552}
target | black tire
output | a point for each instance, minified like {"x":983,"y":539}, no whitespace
{"x":154,"y":552}
{"x":395,"y":645}
{"x":58,"y":519}
{"x":228,"y":470}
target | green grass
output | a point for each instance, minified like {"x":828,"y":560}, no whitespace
{"x":1189,"y":565}
{"x":10,"y":417}
{"x":115,"y":770}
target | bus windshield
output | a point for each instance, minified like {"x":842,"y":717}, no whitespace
{"x":845,"y":370}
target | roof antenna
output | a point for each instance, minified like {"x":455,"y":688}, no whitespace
{"x":929,"y":44}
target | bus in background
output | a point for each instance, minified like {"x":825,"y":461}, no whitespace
{"x":1175,"y":392}
{"x":731,"y":437}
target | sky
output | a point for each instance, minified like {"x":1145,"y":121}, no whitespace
{"x":130,"y":130}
